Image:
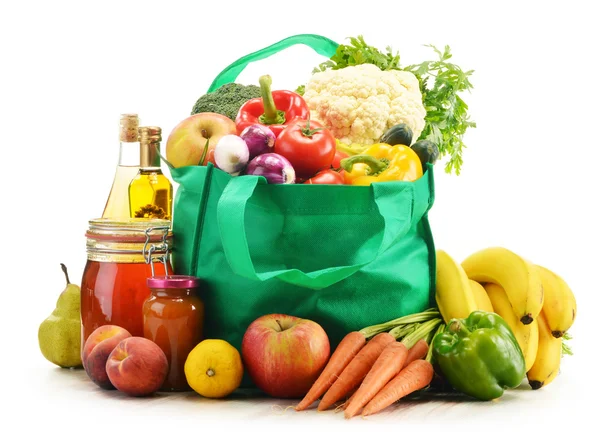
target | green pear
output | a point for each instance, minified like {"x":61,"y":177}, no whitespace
{"x":59,"y":335}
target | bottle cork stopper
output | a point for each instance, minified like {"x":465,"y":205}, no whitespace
{"x":128,"y":127}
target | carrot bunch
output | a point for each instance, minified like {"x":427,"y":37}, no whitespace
{"x":375,"y":370}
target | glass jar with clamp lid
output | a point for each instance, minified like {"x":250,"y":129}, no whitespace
{"x":121,"y":256}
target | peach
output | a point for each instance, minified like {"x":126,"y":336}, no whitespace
{"x":137,"y":366}
{"x":97,"y":349}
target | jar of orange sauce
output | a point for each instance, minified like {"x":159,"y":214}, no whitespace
{"x":173,"y":319}
{"x":121,"y":256}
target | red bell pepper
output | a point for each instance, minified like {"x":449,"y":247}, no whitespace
{"x":274,"y":109}
{"x":328,"y":176}
{"x":337,"y":158}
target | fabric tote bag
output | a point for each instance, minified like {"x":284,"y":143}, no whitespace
{"x":344,"y":256}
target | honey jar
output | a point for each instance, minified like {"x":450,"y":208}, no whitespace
{"x":121,"y":256}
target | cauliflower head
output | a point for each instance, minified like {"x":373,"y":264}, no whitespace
{"x":359,"y":103}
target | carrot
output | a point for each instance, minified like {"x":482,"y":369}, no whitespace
{"x":352,"y":396}
{"x":349,"y":397}
{"x":417,"y":352}
{"x":350,"y":345}
{"x":413,"y":377}
{"x":356,"y":370}
{"x":390,"y":362}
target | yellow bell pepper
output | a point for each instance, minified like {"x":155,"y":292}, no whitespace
{"x":382,"y":162}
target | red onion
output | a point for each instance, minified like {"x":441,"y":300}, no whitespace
{"x":231,"y":154}
{"x":259,"y":138}
{"x":274,"y":167}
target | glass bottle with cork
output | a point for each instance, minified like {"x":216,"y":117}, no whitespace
{"x":117,"y":203}
{"x":150,"y":191}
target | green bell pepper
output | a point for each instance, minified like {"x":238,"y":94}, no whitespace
{"x":479,"y":355}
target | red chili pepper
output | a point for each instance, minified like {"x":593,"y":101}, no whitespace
{"x":274,"y":109}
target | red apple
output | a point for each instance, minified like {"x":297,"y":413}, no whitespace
{"x":187,"y":140}
{"x":97,"y":349}
{"x":284,"y":355}
{"x":137,"y":366}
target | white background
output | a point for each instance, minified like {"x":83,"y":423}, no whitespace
{"x":529,"y":182}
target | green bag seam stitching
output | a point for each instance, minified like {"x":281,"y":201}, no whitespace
{"x":202,"y":215}
{"x":430,"y":241}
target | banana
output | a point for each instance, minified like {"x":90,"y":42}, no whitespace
{"x":452,"y":290}
{"x":481,"y":297}
{"x":516,"y":275}
{"x":547,"y":361}
{"x":526,"y":335}
{"x":560,"y":306}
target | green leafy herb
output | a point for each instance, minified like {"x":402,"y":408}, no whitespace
{"x":359,"y":52}
{"x":447,"y":118}
{"x":441,"y":83}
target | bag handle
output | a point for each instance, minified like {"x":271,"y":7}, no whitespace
{"x":395,"y":206}
{"x":322,"y":45}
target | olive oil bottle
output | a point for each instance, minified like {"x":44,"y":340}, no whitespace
{"x":117,"y":203}
{"x":150,"y":191}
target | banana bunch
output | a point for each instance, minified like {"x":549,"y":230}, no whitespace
{"x":557,"y":316}
{"x":453,"y":293}
{"x":519,"y":278}
{"x":536,"y":303}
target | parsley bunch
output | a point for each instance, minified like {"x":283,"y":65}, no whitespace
{"x":358,"y":52}
{"x":441,"y":81}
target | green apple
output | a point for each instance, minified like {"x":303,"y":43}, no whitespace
{"x":187,"y":140}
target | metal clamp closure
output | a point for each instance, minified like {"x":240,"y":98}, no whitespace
{"x":149,"y":248}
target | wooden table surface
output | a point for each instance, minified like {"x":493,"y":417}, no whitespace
{"x":62,"y":403}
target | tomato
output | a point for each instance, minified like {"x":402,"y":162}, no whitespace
{"x":328,"y":176}
{"x":308,"y":146}
{"x":339,"y":155}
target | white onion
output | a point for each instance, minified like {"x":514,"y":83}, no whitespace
{"x":231,"y":154}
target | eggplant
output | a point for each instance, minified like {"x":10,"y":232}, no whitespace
{"x":427,"y":151}
{"x":259,"y":138}
{"x":400,"y":134}
{"x":231,"y":154}
{"x":274,"y":167}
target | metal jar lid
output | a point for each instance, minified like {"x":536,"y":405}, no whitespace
{"x":173,"y":281}
{"x":128,"y":240}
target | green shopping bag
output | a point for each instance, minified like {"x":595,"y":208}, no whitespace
{"x":344,"y":256}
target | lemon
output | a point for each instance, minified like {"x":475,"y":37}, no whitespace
{"x":214,"y":368}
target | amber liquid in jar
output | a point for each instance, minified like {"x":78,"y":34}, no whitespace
{"x":114,"y":283}
{"x":114,"y":294}
{"x":173,"y":319}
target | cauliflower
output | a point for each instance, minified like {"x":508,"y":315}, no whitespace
{"x":359,"y":103}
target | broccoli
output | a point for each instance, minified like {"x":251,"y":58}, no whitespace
{"x":226,"y":100}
